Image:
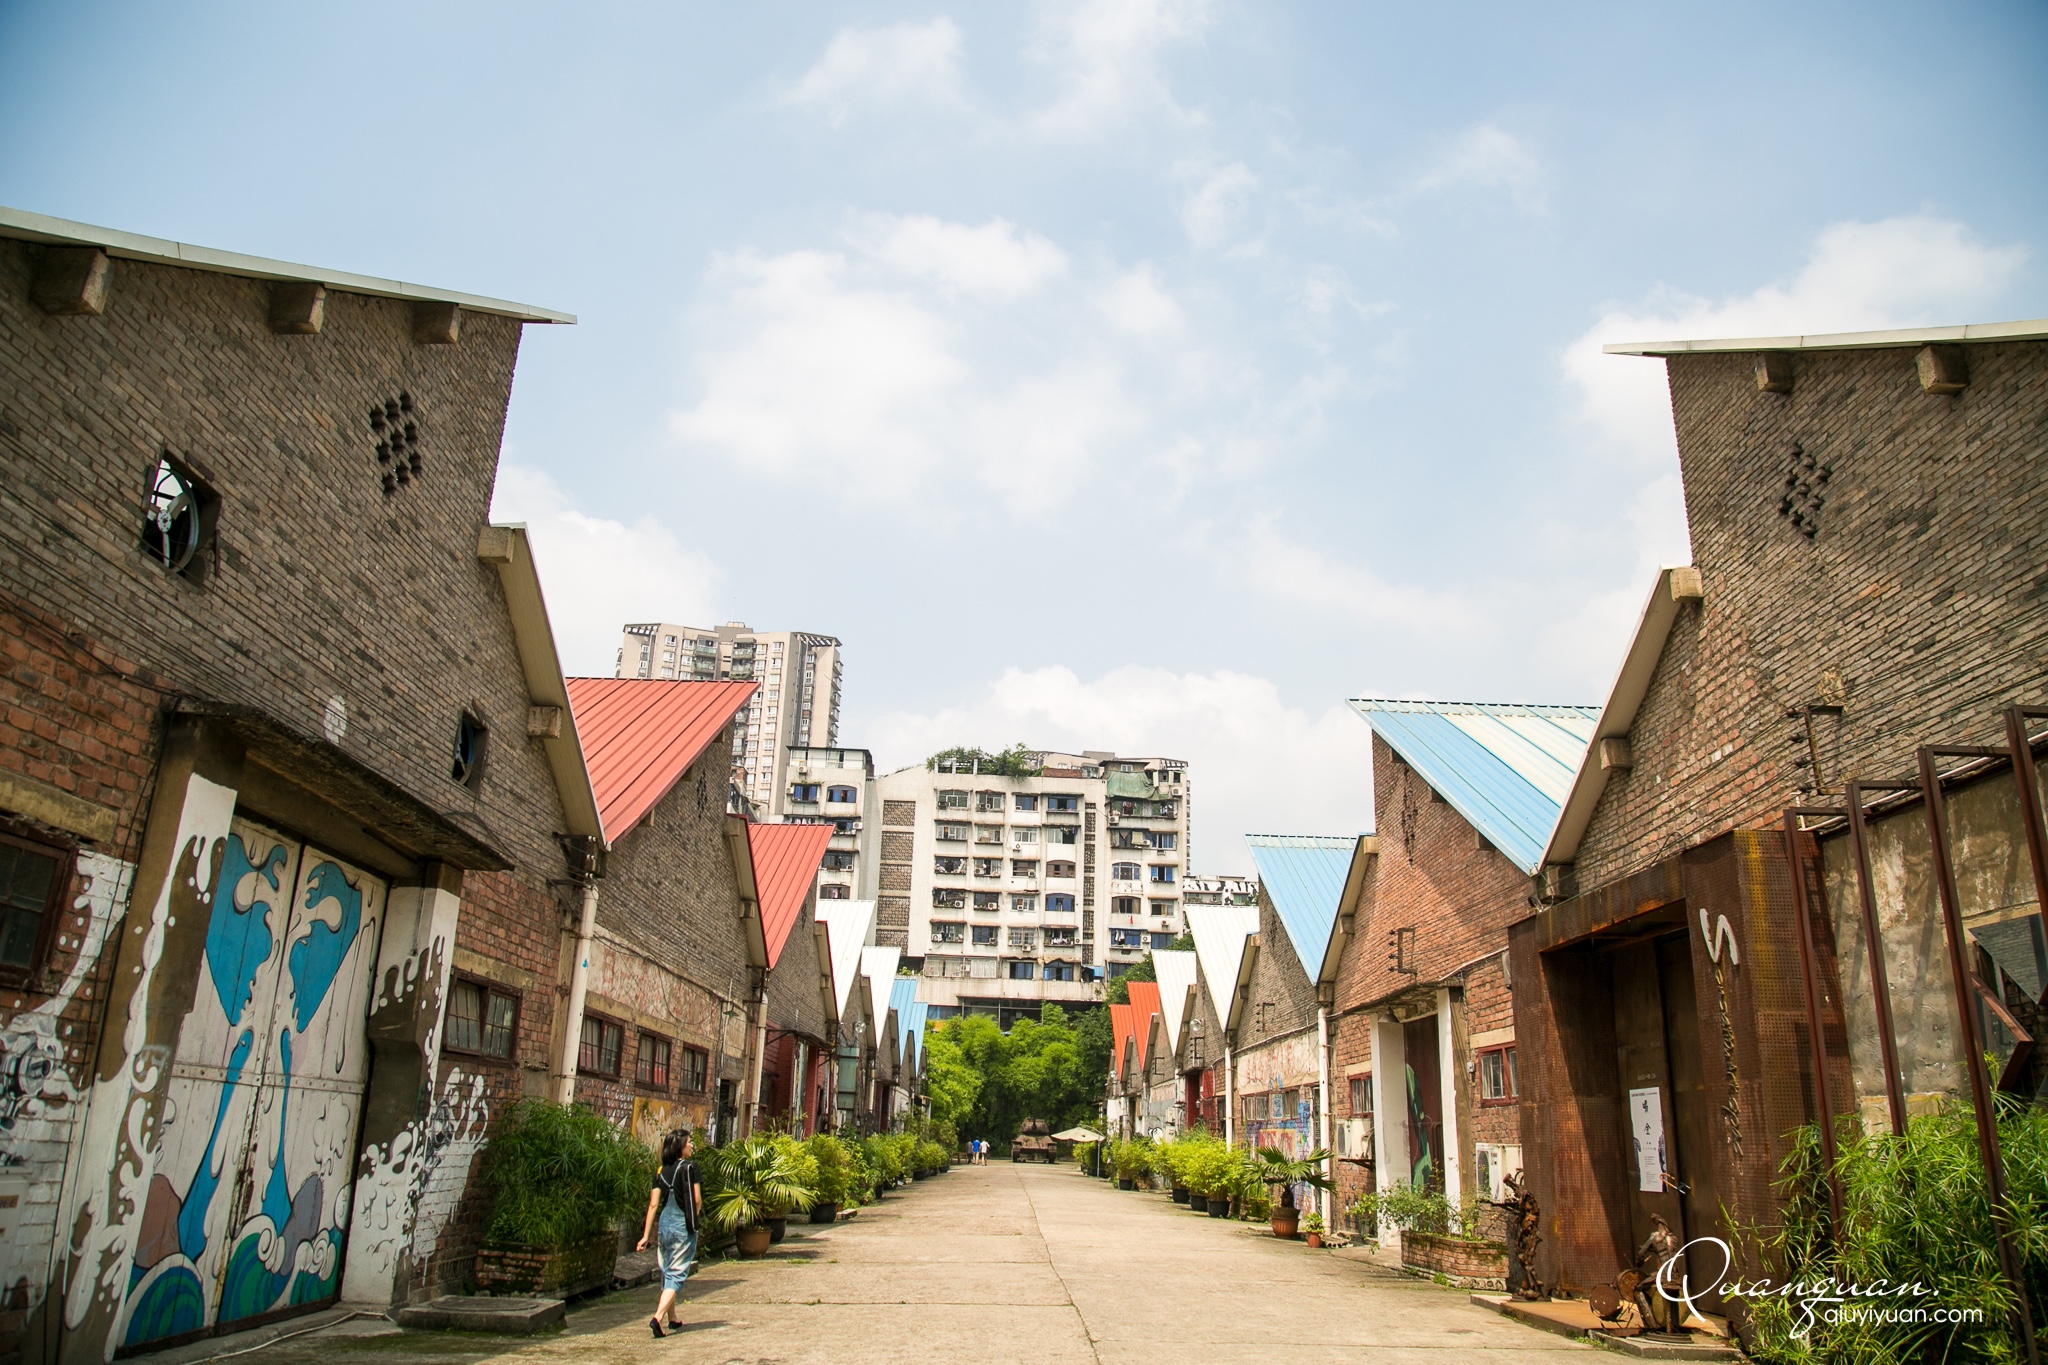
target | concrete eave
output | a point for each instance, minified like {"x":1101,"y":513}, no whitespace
{"x":508,"y":550}
{"x":1631,"y":682}
{"x":132,"y":246}
{"x":2033,"y":330}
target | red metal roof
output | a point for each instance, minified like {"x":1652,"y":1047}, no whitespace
{"x":1120,"y":1029}
{"x":641,"y":735}
{"x":1144,"y":1004}
{"x":786,"y":859}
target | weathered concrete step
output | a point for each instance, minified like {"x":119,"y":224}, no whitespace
{"x":483,"y":1313}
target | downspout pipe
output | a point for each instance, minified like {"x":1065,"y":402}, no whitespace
{"x":1229,"y":1096}
{"x":760,"y":1057}
{"x":587,"y":859}
{"x":1323,"y":1082}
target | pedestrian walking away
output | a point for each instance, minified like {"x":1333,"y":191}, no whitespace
{"x":674,"y":1211}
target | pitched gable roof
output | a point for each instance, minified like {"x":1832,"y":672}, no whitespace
{"x":1144,"y":1004}
{"x":1506,"y":768}
{"x":786,"y":859}
{"x":1303,"y":875}
{"x":641,"y":735}
{"x":1220,"y":934}
{"x":878,"y":975}
{"x":848,"y":924}
{"x":1176,"y":973}
{"x":910,"y":1016}
{"x":1122,"y":1024}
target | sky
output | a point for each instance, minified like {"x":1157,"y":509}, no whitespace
{"x":1146,"y":375}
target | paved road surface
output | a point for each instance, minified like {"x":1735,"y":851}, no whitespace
{"x":1001,"y":1264}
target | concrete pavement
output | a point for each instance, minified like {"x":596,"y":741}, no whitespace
{"x":1008,"y":1265}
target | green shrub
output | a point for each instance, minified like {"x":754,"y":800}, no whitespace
{"x":839,"y":1180}
{"x":1133,"y":1158}
{"x":929,"y":1158}
{"x":559,"y":1174}
{"x":1407,"y":1208}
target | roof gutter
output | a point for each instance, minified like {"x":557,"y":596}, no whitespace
{"x":1901,"y":338}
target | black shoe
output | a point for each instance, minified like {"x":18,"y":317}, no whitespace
{"x":655,"y":1323}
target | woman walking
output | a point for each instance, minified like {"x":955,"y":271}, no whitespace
{"x":673,"y":1207}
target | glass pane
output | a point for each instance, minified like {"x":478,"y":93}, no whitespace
{"x":465,"y":1016}
{"x":589,"y":1049}
{"x":498,"y":1025}
{"x":25,"y":878}
{"x":614,"y":1044}
{"x":18,"y":939}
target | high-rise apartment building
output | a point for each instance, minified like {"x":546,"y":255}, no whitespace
{"x":1007,"y":892}
{"x":797,"y":705}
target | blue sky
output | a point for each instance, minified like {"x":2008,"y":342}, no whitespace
{"x":1141,"y":374}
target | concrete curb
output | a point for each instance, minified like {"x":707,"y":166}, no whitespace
{"x":481,"y":1313}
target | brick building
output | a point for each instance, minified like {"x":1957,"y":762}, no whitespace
{"x":1132,"y":1026}
{"x":1223,"y":935}
{"x":802,"y":1022}
{"x":1868,"y":514}
{"x":850,"y":927}
{"x":267,"y":727}
{"x":1466,"y":795}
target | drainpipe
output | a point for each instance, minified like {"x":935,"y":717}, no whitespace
{"x":1323,"y":1082}
{"x":587,"y":859}
{"x":1229,"y":1097}
{"x":760,"y":1057}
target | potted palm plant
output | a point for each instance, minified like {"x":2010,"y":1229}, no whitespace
{"x":752,"y":1181}
{"x":1275,"y":1167}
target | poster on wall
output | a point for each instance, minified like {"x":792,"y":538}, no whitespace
{"x":1646,"y":1124}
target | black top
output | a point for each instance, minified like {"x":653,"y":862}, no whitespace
{"x":676,"y":1181}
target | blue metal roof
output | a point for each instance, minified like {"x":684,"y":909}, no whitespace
{"x":910,"y":1011}
{"x":1303,"y":875}
{"x":1506,"y":768}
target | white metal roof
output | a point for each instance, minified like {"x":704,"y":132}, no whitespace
{"x":35,"y":227}
{"x":2033,"y":330}
{"x":1175,"y":971}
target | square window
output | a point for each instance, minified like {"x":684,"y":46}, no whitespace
{"x":33,"y":878}
{"x":650,"y":1064}
{"x":1025,"y":801}
{"x":599,"y":1047}
{"x":1497,"y":1080}
{"x":480,"y":1020}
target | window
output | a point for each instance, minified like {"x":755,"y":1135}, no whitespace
{"x":1023,"y":938}
{"x":1126,"y":938}
{"x":1124,"y":872}
{"x":835,"y":891}
{"x":1024,"y":836}
{"x":988,"y":900}
{"x":470,"y":734}
{"x":988,"y":867}
{"x":1059,"y":903}
{"x":1160,"y":838}
{"x":948,"y":932}
{"x":1126,"y":905}
{"x":696,"y":1069}
{"x":481,"y":1020}
{"x":988,"y":834}
{"x":1162,"y":874}
{"x":650,"y":1063}
{"x":1162,"y":907}
{"x":1497,"y":1081}
{"x":984,"y":935}
{"x":177,"y":518}
{"x":1024,"y":867}
{"x":949,"y":867}
{"x":847,"y":827}
{"x":950,"y":833}
{"x":839,"y":860}
{"x":598,"y":1048}
{"x":989,"y":801}
{"x":1256,"y":1107}
{"x":952,"y":800}
{"x":1361,"y":1097}
{"x":1025,"y":801}
{"x":33,"y":879}
{"x":1059,"y":868}
{"x":1059,"y":938}
{"x":1059,"y":971}
{"x":1020,"y":971}
{"x":1063,"y":805}
{"x":1162,"y":940}
{"x":945,"y":898}
{"x":846,"y":796}
{"x":1025,"y":902}
{"x":803,"y":791}
{"x":1062,"y":834}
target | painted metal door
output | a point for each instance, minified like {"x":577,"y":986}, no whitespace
{"x":248,"y":1208}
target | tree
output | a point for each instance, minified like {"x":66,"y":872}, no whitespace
{"x":1015,"y":761}
{"x":986,"y":1082}
{"x":1118,"y":992}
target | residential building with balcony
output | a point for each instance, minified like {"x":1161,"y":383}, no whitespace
{"x":796,"y":705}
{"x":1007,"y":892}
{"x":837,"y":787}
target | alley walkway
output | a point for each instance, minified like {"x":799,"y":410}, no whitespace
{"x":1022,"y":1266}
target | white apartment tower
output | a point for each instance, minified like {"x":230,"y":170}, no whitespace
{"x":796,"y":706}
{"x":1007,"y":892}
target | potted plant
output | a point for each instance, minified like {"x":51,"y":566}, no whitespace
{"x":1312,"y":1230}
{"x":835,"y":1187}
{"x":802,"y":1170}
{"x":1438,"y":1239}
{"x":562,"y":1178}
{"x":1133,"y":1161}
{"x":751,"y":1181}
{"x":1275,"y":1167}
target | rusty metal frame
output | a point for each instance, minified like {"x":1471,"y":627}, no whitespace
{"x":1873,"y":937}
{"x":1809,"y":975}
{"x":1935,"y":803}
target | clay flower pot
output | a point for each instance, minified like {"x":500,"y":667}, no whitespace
{"x":1315,"y":1239}
{"x":753,"y":1242}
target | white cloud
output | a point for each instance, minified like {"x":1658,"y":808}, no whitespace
{"x":1860,"y":276}
{"x":877,"y":66}
{"x":1137,"y":303}
{"x":1489,"y":158}
{"x":599,"y":574}
{"x":1256,"y":765}
{"x":1105,"y":54}
{"x":819,"y":376}
{"x":1215,"y":202}
{"x":993,"y":261}
{"x":1289,"y":571}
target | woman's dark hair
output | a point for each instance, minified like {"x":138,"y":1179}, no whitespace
{"x":672,"y":1147}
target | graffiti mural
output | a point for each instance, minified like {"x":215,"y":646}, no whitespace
{"x":246,"y":1208}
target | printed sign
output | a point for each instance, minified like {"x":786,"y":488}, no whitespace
{"x":1646,"y":1125}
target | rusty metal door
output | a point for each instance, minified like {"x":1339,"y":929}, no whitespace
{"x":246,"y":1213}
